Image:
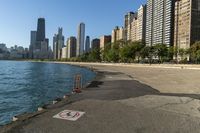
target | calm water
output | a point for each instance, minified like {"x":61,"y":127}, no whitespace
{"x":24,"y":86}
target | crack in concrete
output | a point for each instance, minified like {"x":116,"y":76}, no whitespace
{"x":171,"y":104}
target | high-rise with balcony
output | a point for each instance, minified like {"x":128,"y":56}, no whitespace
{"x":159,"y":25}
{"x":80,"y":39}
{"x":186,"y":23}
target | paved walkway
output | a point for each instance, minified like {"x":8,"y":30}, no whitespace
{"x":116,"y":103}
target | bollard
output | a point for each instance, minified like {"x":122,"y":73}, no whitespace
{"x":78,"y":84}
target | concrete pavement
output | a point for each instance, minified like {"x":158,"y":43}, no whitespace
{"x":116,"y":103}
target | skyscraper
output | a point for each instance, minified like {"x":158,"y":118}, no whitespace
{"x":128,"y":19}
{"x":80,"y":39}
{"x":159,"y":26}
{"x":64,"y":53}
{"x":71,"y":47}
{"x":32,"y":43}
{"x":41,"y":29}
{"x":104,"y":40}
{"x":134,"y":29}
{"x":118,"y":34}
{"x":96,"y":43}
{"x":141,"y":24}
{"x":58,"y":44}
{"x":87,"y":44}
{"x":138,"y":25}
{"x":39,"y":43}
{"x":186,"y":23}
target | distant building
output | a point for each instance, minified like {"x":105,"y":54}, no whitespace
{"x":18,"y":52}
{"x":32,"y":43}
{"x":159,"y":26}
{"x":80,"y":39}
{"x":138,"y":25}
{"x":39,"y":49}
{"x":4,"y":54}
{"x":134,"y":29}
{"x":87,"y":44}
{"x":141,"y":24}
{"x":40,"y":30}
{"x":96,"y":44}
{"x":128,"y":19}
{"x":58,"y":44}
{"x":186,"y":23}
{"x":71,"y":47}
{"x":104,"y":40}
{"x":64,"y":53}
{"x":3,"y":47}
{"x":118,"y":34}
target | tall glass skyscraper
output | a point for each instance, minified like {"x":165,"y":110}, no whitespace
{"x":80,"y":39}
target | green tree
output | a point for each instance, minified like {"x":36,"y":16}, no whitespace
{"x":198,"y":55}
{"x":171,"y":53}
{"x":105,"y":51}
{"x":160,"y":51}
{"x":94,"y":55}
{"x":193,"y":51}
{"x":126,"y":54}
{"x":113,"y":55}
{"x":147,"y":53}
{"x":182,"y":53}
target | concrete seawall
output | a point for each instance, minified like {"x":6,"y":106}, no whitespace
{"x":127,"y":98}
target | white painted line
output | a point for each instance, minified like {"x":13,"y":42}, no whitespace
{"x":69,"y":115}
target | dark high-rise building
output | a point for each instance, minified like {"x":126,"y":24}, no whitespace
{"x":96,"y":43}
{"x":39,"y":43}
{"x":104,"y":40}
{"x":32,"y":43}
{"x":87,"y":44}
{"x":80,"y":39}
{"x":41,"y":29}
{"x":71,"y":47}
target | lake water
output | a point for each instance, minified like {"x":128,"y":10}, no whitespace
{"x":24,"y":85}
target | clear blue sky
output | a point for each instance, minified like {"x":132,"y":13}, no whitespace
{"x":19,"y":17}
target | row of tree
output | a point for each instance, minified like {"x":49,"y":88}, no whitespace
{"x":137,"y":52}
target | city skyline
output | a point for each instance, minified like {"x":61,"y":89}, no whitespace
{"x":25,"y":14}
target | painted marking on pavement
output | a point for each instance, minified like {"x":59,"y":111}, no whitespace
{"x":69,"y":115}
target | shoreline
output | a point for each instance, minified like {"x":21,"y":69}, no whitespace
{"x":167,"y":65}
{"x":52,"y":104}
{"x":108,"y":73}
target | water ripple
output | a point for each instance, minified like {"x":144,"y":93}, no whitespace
{"x":24,"y":86}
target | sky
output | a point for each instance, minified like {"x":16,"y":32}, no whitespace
{"x":19,"y":17}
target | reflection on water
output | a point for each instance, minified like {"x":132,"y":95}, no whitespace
{"x":24,"y":85}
